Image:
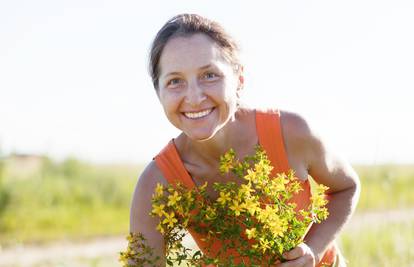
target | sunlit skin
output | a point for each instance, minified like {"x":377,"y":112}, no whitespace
{"x":194,"y":77}
{"x":199,"y":91}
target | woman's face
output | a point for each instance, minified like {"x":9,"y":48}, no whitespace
{"x":197,"y":87}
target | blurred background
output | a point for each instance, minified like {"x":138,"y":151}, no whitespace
{"x":79,"y":118}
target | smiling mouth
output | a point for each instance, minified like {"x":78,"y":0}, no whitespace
{"x":198,"y":115}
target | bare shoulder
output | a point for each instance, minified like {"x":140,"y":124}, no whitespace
{"x":295,"y":125}
{"x":298,"y":136}
{"x":141,"y":206}
{"x":323,"y":162}
{"x":150,"y":177}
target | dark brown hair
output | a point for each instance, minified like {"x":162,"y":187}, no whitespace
{"x":187,"y":25}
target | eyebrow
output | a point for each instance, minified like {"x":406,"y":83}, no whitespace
{"x":205,"y":67}
{"x":178,"y":73}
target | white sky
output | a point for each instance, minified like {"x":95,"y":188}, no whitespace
{"x":73,"y":78}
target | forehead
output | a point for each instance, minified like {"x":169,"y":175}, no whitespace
{"x":186,"y":53}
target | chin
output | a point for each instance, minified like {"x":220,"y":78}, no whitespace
{"x":201,"y":137}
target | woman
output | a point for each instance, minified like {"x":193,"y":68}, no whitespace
{"x":198,"y":78}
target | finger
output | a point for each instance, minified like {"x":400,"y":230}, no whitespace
{"x":294,"y":253}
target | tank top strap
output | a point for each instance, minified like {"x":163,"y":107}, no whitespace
{"x":270,"y":136}
{"x":172,"y":167}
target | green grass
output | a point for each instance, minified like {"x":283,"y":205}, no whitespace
{"x":380,"y":245}
{"x":66,"y":200}
{"x":386,"y":187}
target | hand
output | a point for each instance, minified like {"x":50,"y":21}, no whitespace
{"x":301,"y":256}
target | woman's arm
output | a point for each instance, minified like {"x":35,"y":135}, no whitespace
{"x":343,"y":194}
{"x":140,"y":220}
{"x":329,"y":169}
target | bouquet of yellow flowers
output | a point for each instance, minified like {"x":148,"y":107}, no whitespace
{"x":255,"y":218}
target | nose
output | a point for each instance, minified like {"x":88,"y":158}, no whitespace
{"x":195,"y":95}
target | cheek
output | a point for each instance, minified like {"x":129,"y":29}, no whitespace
{"x":168,"y":101}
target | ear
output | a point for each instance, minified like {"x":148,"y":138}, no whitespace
{"x":241,"y":80}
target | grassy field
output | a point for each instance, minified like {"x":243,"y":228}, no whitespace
{"x":70,"y":199}
{"x":76,"y":200}
{"x":386,"y":187}
{"x":382,"y":245}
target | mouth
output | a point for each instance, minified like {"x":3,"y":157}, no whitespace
{"x":198,"y":115}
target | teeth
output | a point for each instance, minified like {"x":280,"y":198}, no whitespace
{"x":196,"y":115}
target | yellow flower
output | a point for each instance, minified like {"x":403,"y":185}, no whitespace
{"x":252,"y":206}
{"x":276,"y":226}
{"x":319,"y":200}
{"x":277,"y":185}
{"x":203,"y":187}
{"x":160,"y":228}
{"x":295,"y":187}
{"x":170,"y":219}
{"x":123,"y":258}
{"x":320,"y":189}
{"x":271,"y":209}
{"x":224,"y":197}
{"x":159,"y":190}
{"x":172,"y":199}
{"x":262,"y":204}
{"x":225,"y":167}
{"x":323,"y":214}
{"x":180,"y":209}
{"x":237,"y":207}
{"x":264,"y":244}
{"x":261,"y":216}
{"x":130,"y":238}
{"x":269,"y":213}
{"x":251,"y":233}
{"x":158,"y":210}
{"x":263,"y":167}
{"x":251,"y":176}
{"x":226,"y":162}
{"x":245,"y":189}
{"x":189,"y":196}
{"x":211,"y":213}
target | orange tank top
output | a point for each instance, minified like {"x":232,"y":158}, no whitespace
{"x":270,"y":137}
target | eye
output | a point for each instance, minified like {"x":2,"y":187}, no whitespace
{"x":210,"y":76}
{"x":174,"y":82}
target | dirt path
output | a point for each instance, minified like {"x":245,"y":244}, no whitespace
{"x":63,"y":253}
{"x":103,"y":252}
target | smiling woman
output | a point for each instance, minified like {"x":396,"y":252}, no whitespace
{"x":198,"y":77}
{"x":197,"y":87}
